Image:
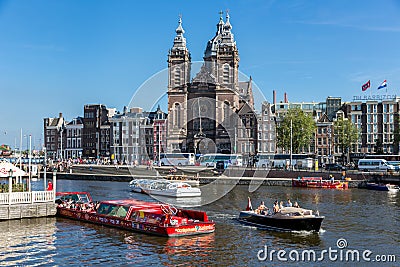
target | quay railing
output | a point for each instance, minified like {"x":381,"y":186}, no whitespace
{"x":26,"y":197}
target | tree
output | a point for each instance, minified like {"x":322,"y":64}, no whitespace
{"x":346,"y":133}
{"x":303,"y":129}
{"x":396,"y":135}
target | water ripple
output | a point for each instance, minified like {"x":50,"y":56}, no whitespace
{"x":366,"y":219}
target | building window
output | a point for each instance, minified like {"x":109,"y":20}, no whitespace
{"x":226,"y":112}
{"x":177,"y":115}
{"x":177,"y":76}
{"x":225,"y":74}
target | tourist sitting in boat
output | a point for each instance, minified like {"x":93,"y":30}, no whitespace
{"x":332,"y":178}
{"x":276,"y":207}
{"x":296,"y":205}
{"x":281,"y":205}
{"x":262,"y":209}
{"x":289,"y":204}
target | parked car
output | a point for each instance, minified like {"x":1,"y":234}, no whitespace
{"x":334,"y":167}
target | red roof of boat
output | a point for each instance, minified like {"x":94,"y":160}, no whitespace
{"x":70,"y":193}
{"x":136,"y":204}
{"x":311,"y":178}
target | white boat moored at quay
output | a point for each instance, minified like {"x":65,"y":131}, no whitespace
{"x":164,"y":188}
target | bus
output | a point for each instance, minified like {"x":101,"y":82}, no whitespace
{"x":299,"y":161}
{"x":210,"y":160}
{"x":374,"y":164}
{"x":177,"y":159}
{"x":387,"y":157}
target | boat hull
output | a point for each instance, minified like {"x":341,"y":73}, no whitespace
{"x":143,"y":227}
{"x":174,"y":193}
{"x":300,"y":223}
{"x":319,"y":184}
{"x":382,"y":187}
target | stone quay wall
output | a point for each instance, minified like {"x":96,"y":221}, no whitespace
{"x":19,"y":211}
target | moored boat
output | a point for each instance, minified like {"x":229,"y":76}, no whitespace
{"x":140,"y":216}
{"x":137,"y":185}
{"x":318,"y":182}
{"x":286,"y":219}
{"x":383,"y":187}
{"x":183,"y":178}
{"x":164,"y":188}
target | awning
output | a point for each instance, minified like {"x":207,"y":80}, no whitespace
{"x":5,"y":168}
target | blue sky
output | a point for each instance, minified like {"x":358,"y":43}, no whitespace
{"x":57,"y":56}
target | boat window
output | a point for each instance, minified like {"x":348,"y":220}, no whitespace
{"x":113,"y":210}
{"x":119,"y":211}
{"x":84,"y":198}
{"x":73,"y":197}
{"x":104,"y":208}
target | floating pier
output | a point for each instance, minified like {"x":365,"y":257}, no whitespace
{"x":25,"y":203}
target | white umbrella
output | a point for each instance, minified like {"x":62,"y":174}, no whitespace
{"x":5,"y":168}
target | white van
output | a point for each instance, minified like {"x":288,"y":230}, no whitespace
{"x":374,"y":164}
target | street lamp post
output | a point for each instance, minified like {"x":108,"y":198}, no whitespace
{"x":44,"y":167}
{"x":10,"y":176}
{"x":329,"y":140}
{"x":291,"y":143}
{"x":159,"y":144}
{"x":61,"y":155}
{"x":54,"y":180}
{"x":30,"y":159}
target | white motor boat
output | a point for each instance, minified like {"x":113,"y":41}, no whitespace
{"x":137,"y":185}
{"x":164,"y":188}
{"x":393,"y":188}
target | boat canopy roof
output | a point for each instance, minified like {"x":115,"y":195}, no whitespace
{"x":292,"y":210}
{"x":75,"y":196}
{"x":311,"y":178}
{"x":136,"y":204}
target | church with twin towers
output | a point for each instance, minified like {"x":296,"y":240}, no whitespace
{"x":210,"y":111}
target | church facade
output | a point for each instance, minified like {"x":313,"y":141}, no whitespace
{"x":211,"y":112}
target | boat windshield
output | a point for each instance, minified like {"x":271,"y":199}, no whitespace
{"x":113,"y":210}
{"x":178,"y":185}
{"x":159,"y":185}
{"x":75,"y":197}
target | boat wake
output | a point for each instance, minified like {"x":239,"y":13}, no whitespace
{"x":307,"y":233}
{"x":223,"y":215}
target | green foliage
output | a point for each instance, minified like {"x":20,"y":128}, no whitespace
{"x":15,"y":188}
{"x":346,"y":133}
{"x":303,"y":130}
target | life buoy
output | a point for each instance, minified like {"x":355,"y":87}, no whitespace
{"x":173,"y":221}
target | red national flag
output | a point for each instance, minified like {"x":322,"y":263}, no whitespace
{"x":249,"y":206}
{"x":366,"y":85}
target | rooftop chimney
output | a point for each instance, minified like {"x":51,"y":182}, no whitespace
{"x":285,"y":100}
{"x":274,"y":96}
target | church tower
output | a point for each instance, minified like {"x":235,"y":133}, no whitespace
{"x":205,"y":114}
{"x":222,"y":56}
{"x":179,"y":63}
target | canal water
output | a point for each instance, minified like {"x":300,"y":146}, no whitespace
{"x":355,"y":220}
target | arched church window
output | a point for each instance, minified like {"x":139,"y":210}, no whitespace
{"x":226,"y":112}
{"x":177,"y":76}
{"x":177,"y":115}
{"x":225,"y":73}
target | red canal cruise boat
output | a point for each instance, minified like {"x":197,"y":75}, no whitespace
{"x":317,"y":182}
{"x":130,"y":214}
